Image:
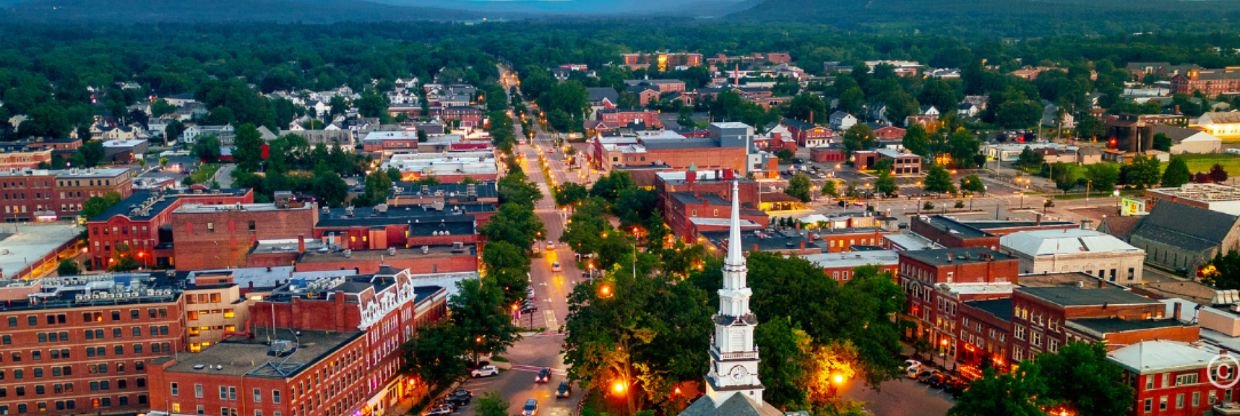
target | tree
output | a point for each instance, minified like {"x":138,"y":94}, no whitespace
{"x":1162,"y":142}
{"x":785,"y":352}
{"x":798,"y":187}
{"x":1015,"y":394}
{"x":829,"y":189}
{"x":1089,"y":127}
{"x":422,"y":136}
{"x":806,"y":106}
{"x":1064,"y":176}
{"x":329,"y":187}
{"x":964,"y":149}
{"x":514,"y":223}
{"x":885,"y":184}
{"x":247,"y":148}
{"x":491,"y":404}
{"x":1029,"y":159}
{"x":939,"y":180}
{"x":859,"y":137}
{"x":96,"y":205}
{"x":507,"y":266}
{"x":1141,"y":172}
{"x":1223,"y":272}
{"x":480,"y":315}
{"x":123,"y":259}
{"x":1102,"y":176}
{"x":378,"y":186}
{"x":972,"y":184}
{"x":917,"y":141}
{"x":1218,"y":174}
{"x":1081,"y":377}
{"x":68,"y":267}
{"x":91,"y":153}
{"x":570,"y":193}
{"x":207,"y":149}
{"x":1177,"y":173}
{"x":434,"y":354}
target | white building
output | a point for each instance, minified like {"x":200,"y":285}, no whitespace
{"x":1075,"y":250}
{"x":732,"y":384}
{"x":1189,"y":140}
{"x":842,"y":121}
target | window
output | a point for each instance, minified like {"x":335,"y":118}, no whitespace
{"x":210,"y":227}
{"x":32,"y":320}
{"x":1149,"y":382}
{"x":6,"y":339}
{"x":197,"y":391}
{"x":275,"y":396}
{"x":1179,"y":401}
{"x":1162,"y":403}
{"x":252,"y":226}
{"x":1183,"y":379}
{"x":258,"y":396}
{"x":12,"y":321}
{"x":116,"y":315}
{"x":1196,"y":398}
{"x":175,"y":390}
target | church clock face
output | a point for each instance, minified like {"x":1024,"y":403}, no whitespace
{"x":738,"y":372}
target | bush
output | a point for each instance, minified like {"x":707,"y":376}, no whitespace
{"x":959,"y":204}
{"x":928,"y":206}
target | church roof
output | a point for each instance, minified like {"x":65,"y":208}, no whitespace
{"x":737,"y":405}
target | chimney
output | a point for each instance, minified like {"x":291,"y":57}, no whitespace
{"x":737,"y":75}
{"x":301,"y":243}
{"x":811,"y":119}
{"x":1176,"y":310}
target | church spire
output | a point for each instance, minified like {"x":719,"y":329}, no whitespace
{"x":735,"y":257}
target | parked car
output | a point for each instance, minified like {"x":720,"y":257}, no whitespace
{"x":937,"y":380}
{"x":564,"y":391}
{"x":437,"y":411}
{"x":485,"y":371}
{"x":924,"y":376}
{"x":918,"y":373}
{"x":956,"y":386}
{"x":460,"y":397}
{"x":443,"y":402}
{"x":530,"y":409}
{"x":911,"y":363}
{"x":543,"y":376}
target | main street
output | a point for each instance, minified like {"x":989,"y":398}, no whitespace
{"x":541,"y":345}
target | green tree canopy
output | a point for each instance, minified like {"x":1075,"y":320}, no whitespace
{"x":799,"y":187}
{"x":1177,"y":173}
{"x":939,"y":180}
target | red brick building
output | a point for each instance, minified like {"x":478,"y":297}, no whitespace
{"x":936,"y":281}
{"x":889,"y":133}
{"x":380,"y":228}
{"x":25,"y":160}
{"x":692,"y":181}
{"x":809,"y":134}
{"x":417,"y":260}
{"x":828,"y":154}
{"x":1170,"y":378}
{"x":610,"y":120}
{"x":81,"y":344}
{"x":690,"y":213}
{"x":143,"y":222}
{"x":661,"y":60}
{"x":952,"y":233}
{"x":37,"y":193}
{"x":1040,"y":315}
{"x":985,"y":326}
{"x":1211,"y":82}
{"x":220,"y":236}
{"x":332,"y":347}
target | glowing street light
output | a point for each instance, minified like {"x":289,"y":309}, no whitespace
{"x":619,"y":387}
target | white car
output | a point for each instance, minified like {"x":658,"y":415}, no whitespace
{"x":485,"y":371}
{"x":550,"y":245}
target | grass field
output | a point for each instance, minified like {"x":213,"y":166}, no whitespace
{"x":1202,"y":163}
{"x":204,"y":174}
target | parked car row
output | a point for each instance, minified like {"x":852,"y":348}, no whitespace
{"x":934,"y":378}
{"x":449,"y":404}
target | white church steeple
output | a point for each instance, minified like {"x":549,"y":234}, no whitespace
{"x":733,"y":355}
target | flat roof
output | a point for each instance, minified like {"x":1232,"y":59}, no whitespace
{"x":30,"y":243}
{"x":1109,"y":325}
{"x":319,"y":256}
{"x":192,"y":208}
{"x":854,"y":258}
{"x":1065,"y":279}
{"x":1077,"y":296}
{"x":250,"y":356}
{"x":957,"y":255}
{"x":767,"y":241}
{"x":1161,"y":356}
{"x":1000,"y":308}
{"x":158,"y":201}
{"x":1064,"y":242}
{"x":911,"y":242}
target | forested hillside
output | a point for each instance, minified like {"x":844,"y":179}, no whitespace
{"x":204,"y":11}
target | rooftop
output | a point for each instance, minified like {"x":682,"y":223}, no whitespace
{"x":73,"y":173}
{"x":332,"y":256}
{"x":146,"y":204}
{"x":1111,"y":325}
{"x":252,"y":357}
{"x":192,"y":208}
{"x":1000,"y":308}
{"x":765,"y":240}
{"x":1202,"y":192}
{"x":1077,"y":296}
{"x":1064,"y":242}
{"x":99,"y":289}
{"x":30,"y":243}
{"x":1161,"y":356}
{"x":945,"y":256}
{"x":854,"y":259}
{"x":421,"y":220}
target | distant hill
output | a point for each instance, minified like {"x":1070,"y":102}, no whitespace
{"x":705,"y":8}
{"x":1000,"y":15}
{"x":146,"y":11}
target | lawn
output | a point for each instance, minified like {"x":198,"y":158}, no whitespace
{"x":204,"y":174}
{"x":1202,"y":163}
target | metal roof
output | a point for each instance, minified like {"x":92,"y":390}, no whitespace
{"x":1063,"y":242}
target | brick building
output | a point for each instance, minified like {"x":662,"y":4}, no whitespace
{"x":328,"y":346}
{"x":466,"y":117}
{"x":662,"y":61}
{"x":81,"y":344}
{"x":47,"y":194}
{"x":25,"y":159}
{"x":669,"y":152}
{"x":381,"y":227}
{"x":718,"y":182}
{"x":143,"y":222}
{"x":610,"y":120}
{"x":690,"y":213}
{"x":418,"y":260}
{"x":1170,"y":378}
{"x":1040,"y":314}
{"x":949,"y":232}
{"x":214,"y":309}
{"x":1211,"y":82}
{"x":841,"y":265}
{"x":220,"y":236}
{"x":937,"y":281}
{"x":809,"y":134}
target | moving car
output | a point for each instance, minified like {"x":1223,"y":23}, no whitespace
{"x":555,"y":267}
{"x":564,"y":391}
{"x":550,"y":245}
{"x":530,"y":409}
{"x":485,"y":371}
{"x":543,"y":376}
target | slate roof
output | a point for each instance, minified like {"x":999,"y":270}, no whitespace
{"x":737,"y":405}
{"x":599,"y":93}
{"x":1000,"y":308}
{"x":1167,"y":224}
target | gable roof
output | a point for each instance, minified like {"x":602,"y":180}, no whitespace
{"x":737,"y":405}
{"x":1120,"y":226}
{"x":1166,"y":224}
{"x":1179,"y":134}
{"x":1221,"y":118}
{"x":597,"y":94}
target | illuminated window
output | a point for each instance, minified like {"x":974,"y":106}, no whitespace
{"x":229,"y":314}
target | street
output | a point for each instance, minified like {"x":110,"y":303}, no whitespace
{"x":900,"y":397}
{"x":540,"y":347}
